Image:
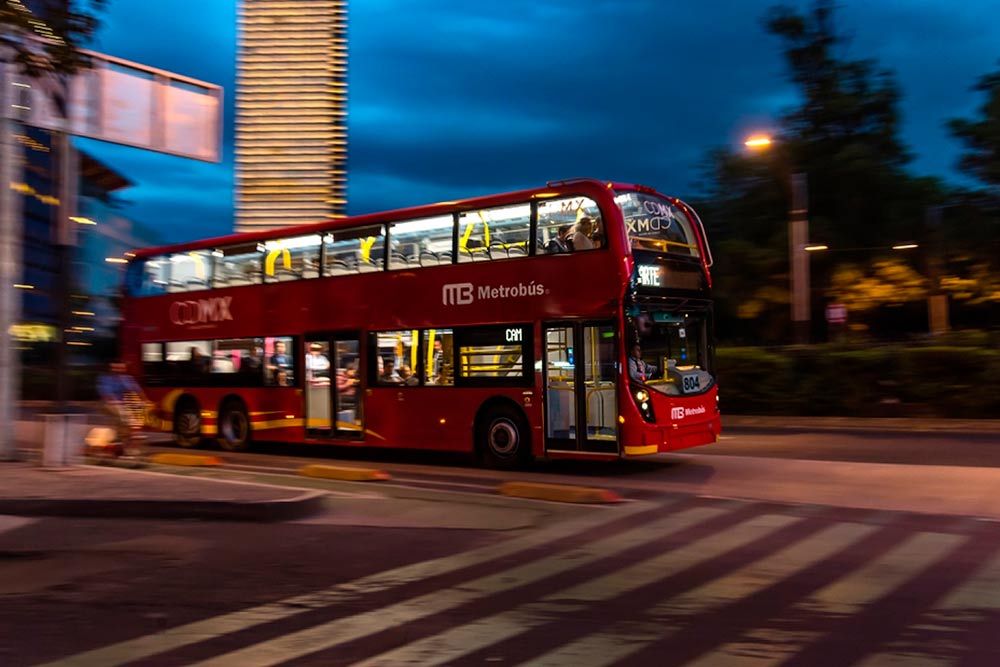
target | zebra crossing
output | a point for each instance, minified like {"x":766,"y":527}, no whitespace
{"x":693,"y":582}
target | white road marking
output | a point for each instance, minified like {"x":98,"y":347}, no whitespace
{"x":457,"y":642}
{"x":326,"y":635}
{"x":848,"y":595}
{"x":132,"y":650}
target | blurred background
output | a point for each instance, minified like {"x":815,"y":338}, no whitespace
{"x":871,"y":130}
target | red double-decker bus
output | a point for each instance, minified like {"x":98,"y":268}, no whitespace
{"x":501,"y":325}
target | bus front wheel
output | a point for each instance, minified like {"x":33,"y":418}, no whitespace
{"x":234,"y":426}
{"x":187,"y":424}
{"x":502,"y":437}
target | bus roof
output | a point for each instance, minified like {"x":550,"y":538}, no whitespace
{"x":573,"y":185}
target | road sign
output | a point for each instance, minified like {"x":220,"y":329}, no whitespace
{"x":836,"y":313}
{"x":122,"y":102}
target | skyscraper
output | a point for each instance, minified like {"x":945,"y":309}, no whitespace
{"x":291,"y":112}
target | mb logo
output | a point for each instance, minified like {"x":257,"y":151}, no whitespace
{"x":677,"y":413}
{"x":456,"y":294}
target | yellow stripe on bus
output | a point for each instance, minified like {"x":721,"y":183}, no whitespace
{"x":634,"y":450}
{"x":276,"y":423}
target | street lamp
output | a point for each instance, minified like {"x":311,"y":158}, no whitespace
{"x":798,"y":245}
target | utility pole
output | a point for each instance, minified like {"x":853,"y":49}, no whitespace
{"x":11,"y":158}
{"x":798,"y":258}
{"x":64,"y":240}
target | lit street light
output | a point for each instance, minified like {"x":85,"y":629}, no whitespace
{"x":798,"y":245}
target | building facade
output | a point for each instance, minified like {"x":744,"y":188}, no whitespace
{"x":86,"y":287}
{"x":291,"y":112}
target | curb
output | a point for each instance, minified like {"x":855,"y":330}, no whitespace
{"x":296,"y":507}
{"x":343,"y":473}
{"x":558,"y":492}
{"x":172,"y":459}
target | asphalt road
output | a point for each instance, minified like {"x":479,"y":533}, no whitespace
{"x":863,"y":446}
{"x":672,"y":580}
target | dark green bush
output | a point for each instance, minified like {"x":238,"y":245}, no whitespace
{"x":885,"y":381}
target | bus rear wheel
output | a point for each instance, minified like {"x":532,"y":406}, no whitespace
{"x":234,"y":426}
{"x":502,"y":437}
{"x":187,"y":424}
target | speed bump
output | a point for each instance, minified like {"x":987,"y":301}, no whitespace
{"x":344,"y":473}
{"x":185,"y":459}
{"x":558,"y":492}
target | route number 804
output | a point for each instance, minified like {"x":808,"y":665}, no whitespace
{"x":690,"y":383}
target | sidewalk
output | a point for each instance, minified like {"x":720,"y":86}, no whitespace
{"x":27,"y":489}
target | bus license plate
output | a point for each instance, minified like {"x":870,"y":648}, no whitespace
{"x":690,"y":384}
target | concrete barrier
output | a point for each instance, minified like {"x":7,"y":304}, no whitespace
{"x":185,"y":459}
{"x":344,"y":473}
{"x":558,"y":492}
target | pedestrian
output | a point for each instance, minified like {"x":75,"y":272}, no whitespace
{"x":124,"y":401}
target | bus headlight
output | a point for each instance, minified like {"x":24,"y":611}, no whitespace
{"x":643,"y":402}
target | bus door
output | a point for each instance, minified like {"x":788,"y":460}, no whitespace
{"x":332,"y":386}
{"x":581,"y":392}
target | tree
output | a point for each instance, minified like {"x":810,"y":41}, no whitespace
{"x":982,"y":137}
{"x":46,"y":36}
{"x":845,"y":134}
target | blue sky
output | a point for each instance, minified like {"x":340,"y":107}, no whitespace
{"x":450,"y":98}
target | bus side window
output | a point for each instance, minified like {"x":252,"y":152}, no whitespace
{"x":237,"y":265}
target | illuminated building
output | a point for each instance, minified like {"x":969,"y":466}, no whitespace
{"x":101,"y":230}
{"x":291,"y":112}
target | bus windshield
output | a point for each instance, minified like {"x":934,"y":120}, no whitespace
{"x":678,"y":345}
{"x":655,"y":223}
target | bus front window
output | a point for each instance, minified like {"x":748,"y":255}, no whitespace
{"x":654,"y":223}
{"x":677,"y":346}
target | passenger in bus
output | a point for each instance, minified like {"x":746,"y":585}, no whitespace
{"x":198,"y":361}
{"x":317,"y":365}
{"x":559,"y":242}
{"x":389,"y":374}
{"x":437,"y":366}
{"x":277,"y":362}
{"x":598,"y":235}
{"x":406,"y":376}
{"x":282,"y":379}
{"x":280,"y":357}
{"x":638,"y":369}
{"x":253,"y":361}
{"x":583,"y":233}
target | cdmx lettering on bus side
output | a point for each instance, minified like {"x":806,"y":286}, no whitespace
{"x":201,"y":311}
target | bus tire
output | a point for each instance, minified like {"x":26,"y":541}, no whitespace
{"x":187,"y":423}
{"x":234,"y":426}
{"x":502,"y":437}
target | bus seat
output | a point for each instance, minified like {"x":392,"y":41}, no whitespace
{"x":368,"y":267}
{"x":428,"y":258}
{"x":397,"y":261}
{"x":497,"y":252}
{"x":516,"y":251}
{"x":337,"y":267}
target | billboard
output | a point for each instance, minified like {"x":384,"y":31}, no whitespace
{"x":124,"y":103}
